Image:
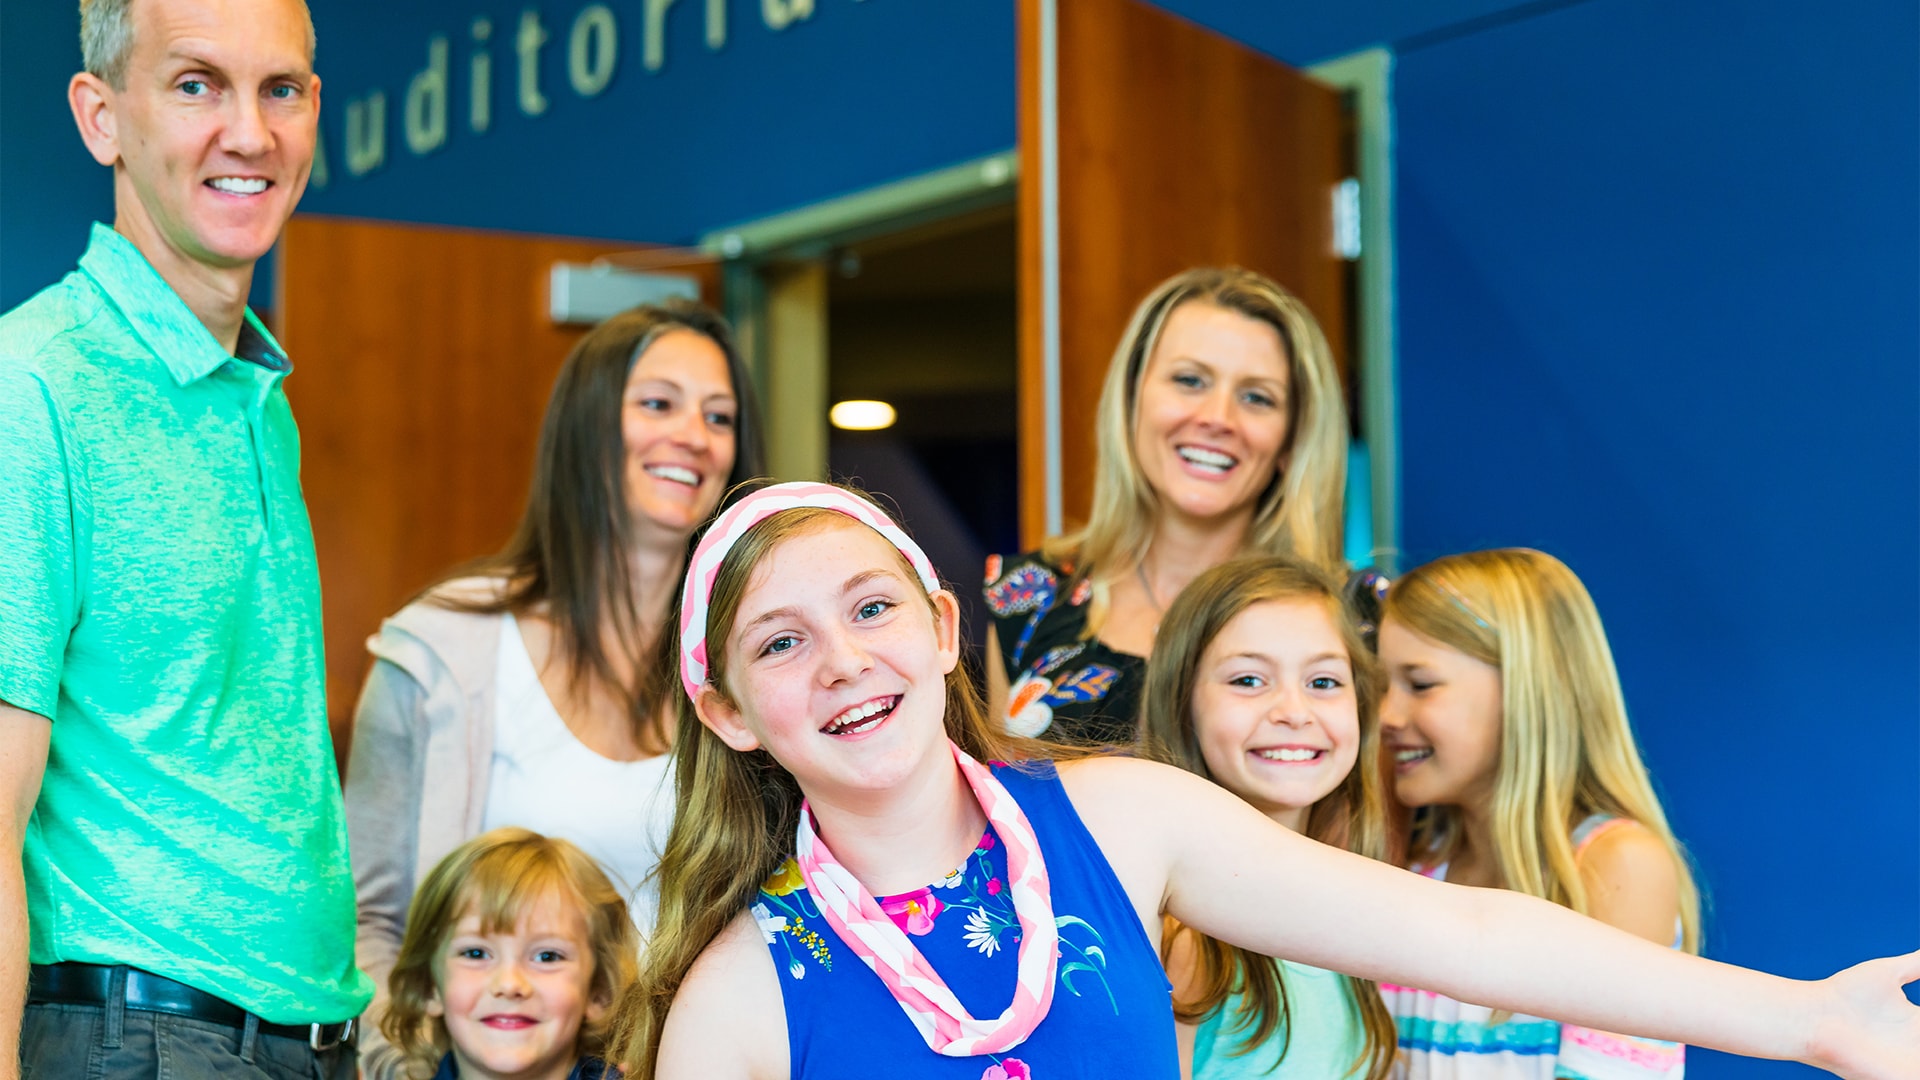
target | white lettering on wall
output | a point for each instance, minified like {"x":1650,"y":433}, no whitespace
{"x":779,"y":14}
{"x":591,"y":50}
{"x":426,"y":111}
{"x":593,"y":58}
{"x":532,"y":36}
{"x":320,"y":174}
{"x":367,"y":133}
{"x":653,"y":47}
{"x":480,"y":79}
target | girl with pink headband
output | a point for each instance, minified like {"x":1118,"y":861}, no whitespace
{"x":849,"y":890}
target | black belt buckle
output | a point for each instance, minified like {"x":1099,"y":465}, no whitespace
{"x":322,"y":1046}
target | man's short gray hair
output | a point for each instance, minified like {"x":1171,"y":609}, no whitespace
{"x":106,"y":38}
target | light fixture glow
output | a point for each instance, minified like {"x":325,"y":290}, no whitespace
{"x":861,"y":415}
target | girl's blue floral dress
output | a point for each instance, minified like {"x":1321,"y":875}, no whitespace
{"x":1112,"y":1012}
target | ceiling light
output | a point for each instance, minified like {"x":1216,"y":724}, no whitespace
{"x":861,"y":415}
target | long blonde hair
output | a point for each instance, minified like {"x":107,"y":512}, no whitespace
{"x":498,"y":876}
{"x":1566,"y":748}
{"x":735,"y":813}
{"x":1301,"y":511}
{"x":1352,"y":816}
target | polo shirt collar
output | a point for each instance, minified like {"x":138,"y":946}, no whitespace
{"x":161,"y":320}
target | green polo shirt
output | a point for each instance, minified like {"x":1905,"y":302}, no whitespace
{"x":159,"y":601}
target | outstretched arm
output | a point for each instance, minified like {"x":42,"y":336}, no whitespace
{"x":1222,"y":868}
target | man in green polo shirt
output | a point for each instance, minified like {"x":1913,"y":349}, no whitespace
{"x":182,"y":891}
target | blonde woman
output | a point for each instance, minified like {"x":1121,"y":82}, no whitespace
{"x":1222,"y":431}
{"x":1505,"y":721}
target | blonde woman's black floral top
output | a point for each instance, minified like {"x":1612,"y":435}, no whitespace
{"x":1064,"y":688}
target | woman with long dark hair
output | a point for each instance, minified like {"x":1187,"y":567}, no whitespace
{"x":535,"y":688}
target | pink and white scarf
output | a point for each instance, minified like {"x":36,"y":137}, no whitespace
{"x":923,"y":995}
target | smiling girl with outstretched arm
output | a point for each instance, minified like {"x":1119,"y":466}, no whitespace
{"x":847,"y":886}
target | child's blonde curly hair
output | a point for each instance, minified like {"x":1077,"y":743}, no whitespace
{"x":499,"y":876}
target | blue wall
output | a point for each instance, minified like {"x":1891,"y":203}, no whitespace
{"x":860,"y":93}
{"x":50,"y":190}
{"x":1658,"y":315}
{"x":1657,"y":292}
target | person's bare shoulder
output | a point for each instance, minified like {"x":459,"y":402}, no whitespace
{"x":1138,"y":812}
{"x":728,"y":1022}
{"x":1632,"y":882}
{"x":1133,"y":793}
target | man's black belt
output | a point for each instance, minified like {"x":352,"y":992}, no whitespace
{"x":92,"y":984}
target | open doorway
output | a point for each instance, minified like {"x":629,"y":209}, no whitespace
{"x":905,"y":294}
{"x":926,"y":321}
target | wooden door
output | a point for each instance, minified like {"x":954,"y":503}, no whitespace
{"x":423,"y":359}
{"x":1149,"y":145}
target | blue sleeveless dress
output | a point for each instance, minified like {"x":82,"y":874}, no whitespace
{"x":1112,"y":1012}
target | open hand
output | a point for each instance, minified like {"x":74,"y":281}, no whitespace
{"x":1869,"y":1030}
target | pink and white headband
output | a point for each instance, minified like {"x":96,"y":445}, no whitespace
{"x":729,"y":527}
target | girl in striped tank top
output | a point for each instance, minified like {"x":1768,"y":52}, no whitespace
{"x":842,"y":801}
{"x":1504,"y":717}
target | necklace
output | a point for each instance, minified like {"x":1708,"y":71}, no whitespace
{"x":922,"y":994}
{"x":1140,"y":568}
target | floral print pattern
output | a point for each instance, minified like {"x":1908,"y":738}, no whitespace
{"x":1032,"y":701}
{"x":977,"y":888}
{"x":1029,"y":588}
{"x":914,"y":912}
{"x":1111,"y":1013}
{"x":782,"y":913}
{"x":1061,"y":685}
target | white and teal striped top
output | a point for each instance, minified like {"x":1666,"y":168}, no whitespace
{"x":1444,"y":1039}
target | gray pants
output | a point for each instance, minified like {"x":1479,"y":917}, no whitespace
{"x":91,"y":1042}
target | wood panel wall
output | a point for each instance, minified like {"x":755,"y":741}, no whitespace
{"x":423,"y":358}
{"x":1177,"y":147}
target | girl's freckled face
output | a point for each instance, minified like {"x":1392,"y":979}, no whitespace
{"x":836,"y":664}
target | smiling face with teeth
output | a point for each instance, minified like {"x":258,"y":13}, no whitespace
{"x":837,"y":666}
{"x":211,"y":133}
{"x":1211,"y":416}
{"x":514,"y":999}
{"x":1440,"y":719}
{"x":1275,"y":710}
{"x":678,"y":419}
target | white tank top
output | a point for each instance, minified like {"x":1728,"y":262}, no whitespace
{"x":545,"y":779}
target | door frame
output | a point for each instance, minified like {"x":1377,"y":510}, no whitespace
{"x":775,"y":268}
{"x":1366,"y":80}
{"x":771,"y":266}
{"x":1366,"y":77}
